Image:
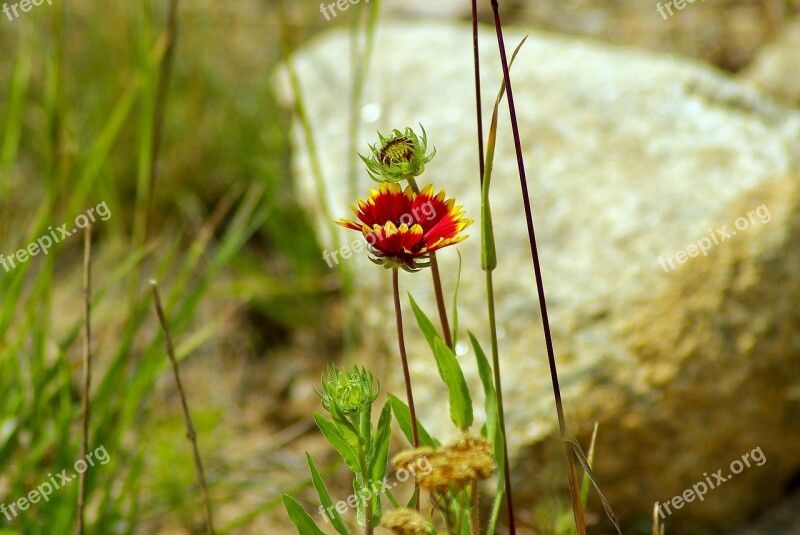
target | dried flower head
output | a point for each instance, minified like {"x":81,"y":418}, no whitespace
{"x":474,"y":454}
{"x":402,"y":226}
{"x":406,"y":522}
{"x":398,"y":157}
{"x":351,"y":391}
{"x":454,"y":466}
{"x":407,"y":458}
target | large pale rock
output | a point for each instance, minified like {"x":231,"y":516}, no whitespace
{"x":775,"y":69}
{"x":631,"y":157}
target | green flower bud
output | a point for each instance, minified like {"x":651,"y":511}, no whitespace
{"x":351,"y":392}
{"x":398,"y":157}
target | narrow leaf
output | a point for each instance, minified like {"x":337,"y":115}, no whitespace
{"x":590,"y":461}
{"x":490,"y":396}
{"x":336,"y":440}
{"x":576,"y":449}
{"x":302,"y":521}
{"x":345,"y":427}
{"x":425,"y":324}
{"x":403,"y":417}
{"x":488,"y":250}
{"x":450,"y":370}
{"x":380,"y":453}
{"x":325,"y":498}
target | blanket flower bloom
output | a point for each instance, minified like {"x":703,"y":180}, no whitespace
{"x":399,"y":156}
{"x":402,"y":227}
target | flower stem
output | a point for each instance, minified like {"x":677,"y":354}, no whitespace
{"x":404,"y":359}
{"x":572,"y":475}
{"x":437,"y":282}
{"x":478,"y":110}
{"x":87,"y":372}
{"x":362,"y":459}
{"x":474,"y":519}
{"x":190,"y":432}
{"x":501,"y":417}
{"x":437,"y":288}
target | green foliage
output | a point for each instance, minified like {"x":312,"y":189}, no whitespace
{"x":403,"y":417}
{"x":325,"y":498}
{"x":365,"y":453}
{"x":449,"y":370}
{"x":453,"y":377}
{"x":303,"y":522}
{"x":336,"y":439}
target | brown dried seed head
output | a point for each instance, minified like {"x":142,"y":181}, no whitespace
{"x":472,"y":455}
{"x":405,"y":522}
{"x":406,"y":458}
{"x":471,"y":443}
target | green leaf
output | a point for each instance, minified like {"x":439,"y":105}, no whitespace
{"x":488,"y":250}
{"x":302,"y":521}
{"x":334,"y":436}
{"x":412,"y":502}
{"x":490,"y":396}
{"x":425,"y":324}
{"x":590,"y":461}
{"x":345,"y":427}
{"x":325,"y":498}
{"x":403,"y":417}
{"x":380,"y":453}
{"x":450,"y":370}
{"x":392,"y":499}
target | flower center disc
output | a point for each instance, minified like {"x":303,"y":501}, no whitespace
{"x":400,"y":149}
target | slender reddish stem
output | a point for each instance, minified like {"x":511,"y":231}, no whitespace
{"x":401,"y":343}
{"x":579,"y":521}
{"x":437,"y":288}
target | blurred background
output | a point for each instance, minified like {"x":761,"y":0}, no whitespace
{"x":191,"y":153}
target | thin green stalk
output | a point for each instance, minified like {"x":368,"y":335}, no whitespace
{"x":359,"y":61}
{"x":474,"y":517}
{"x":362,"y":461}
{"x":351,"y":325}
{"x":87,"y":372}
{"x":488,"y":264}
{"x":580,"y":522}
{"x":14,"y":118}
{"x":501,"y":418}
{"x":162,"y":90}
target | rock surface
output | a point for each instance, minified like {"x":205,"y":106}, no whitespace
{"x":775,"y":69}
{"x":632,"y":157}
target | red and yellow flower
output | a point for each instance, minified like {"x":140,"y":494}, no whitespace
{"x":402,"y":226}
